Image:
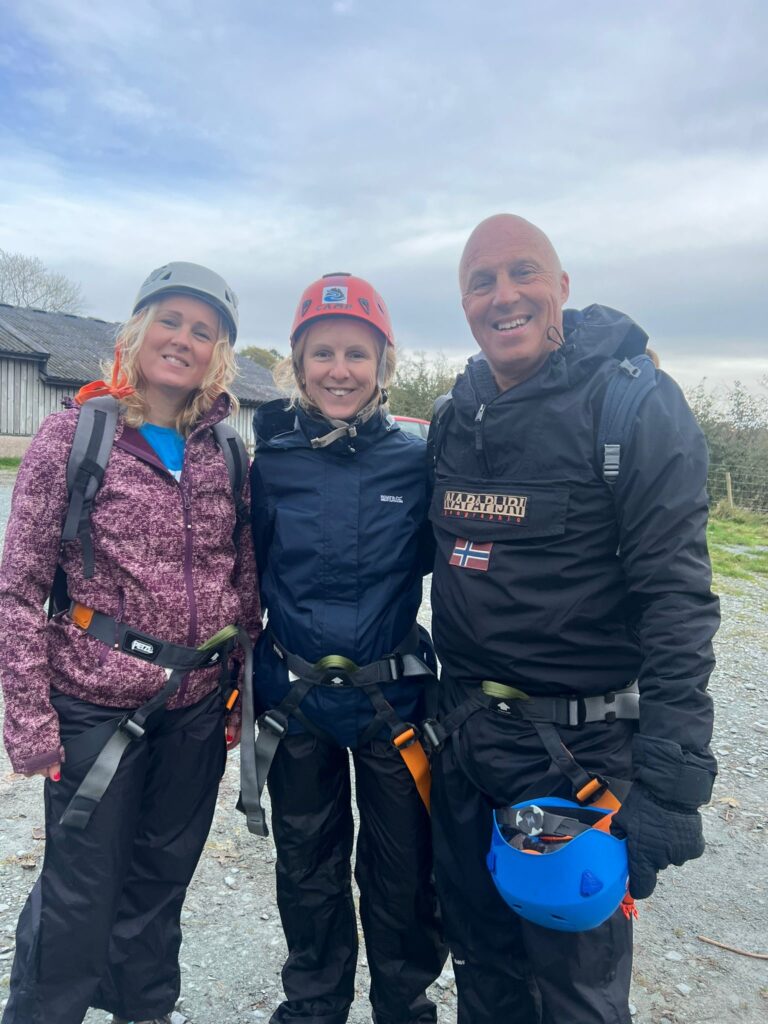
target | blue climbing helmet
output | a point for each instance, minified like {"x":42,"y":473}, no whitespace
{"x":556,"y":863}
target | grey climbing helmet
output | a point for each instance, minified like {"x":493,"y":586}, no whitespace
{"x":191,"y":279}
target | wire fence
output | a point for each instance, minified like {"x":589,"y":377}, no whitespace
{"x":739,"y":485}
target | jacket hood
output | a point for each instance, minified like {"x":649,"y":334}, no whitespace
{"x":277,"y":426}
{"x":591,"y":336}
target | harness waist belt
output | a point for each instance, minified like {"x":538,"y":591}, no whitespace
{"x":121,"y":637}
{"x":337,"y":671}
{"x":567,"y":711}
{"x":112,"y":738}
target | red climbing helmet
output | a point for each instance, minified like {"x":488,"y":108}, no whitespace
{"x":342,"y":294}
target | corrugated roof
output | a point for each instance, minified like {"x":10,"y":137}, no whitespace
{"x":72,"y":348}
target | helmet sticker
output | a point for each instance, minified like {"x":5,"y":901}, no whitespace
{"x":305,"y":306}
{"x":333,"y":295}
{"x":366,"y":306}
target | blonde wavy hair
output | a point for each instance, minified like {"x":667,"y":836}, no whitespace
{"x":217,"y":381}
{"x":289,"y":375}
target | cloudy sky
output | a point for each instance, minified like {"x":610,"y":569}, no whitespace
{"x":279,"y":141}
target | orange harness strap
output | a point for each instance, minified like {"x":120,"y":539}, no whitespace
{"x":412,"y":752}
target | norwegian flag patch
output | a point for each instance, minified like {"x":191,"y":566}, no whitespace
{"x":467,"y":554}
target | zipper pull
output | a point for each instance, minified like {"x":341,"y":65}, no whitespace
{"x":479,"y":428}
{"x":187,"y":506}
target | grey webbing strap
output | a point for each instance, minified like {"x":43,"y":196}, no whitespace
{"x":93,"y":787}
{"x":249,"y":782}
{"x":177,"y":661}
{"x":91,"y":448}
{"x":401,"y":662}
{"x":258,"y":751}
{"x":121,"y":636}
{"x":564,"y":711}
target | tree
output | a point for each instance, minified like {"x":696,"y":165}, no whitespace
{"x":735,"y":424}
{"x":419,"y":380}
{"x":26,"y":281}
{"x":268,"y":357}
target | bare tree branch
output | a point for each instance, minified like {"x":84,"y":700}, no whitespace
{"x":26,"y":281}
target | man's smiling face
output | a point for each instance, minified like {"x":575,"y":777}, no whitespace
{"x":513,"y":290}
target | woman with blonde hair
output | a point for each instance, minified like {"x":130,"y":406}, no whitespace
{"x":118,"y":699}
{"x":342,"y":541}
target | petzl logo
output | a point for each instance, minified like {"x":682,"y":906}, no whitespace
{"x":140,"y":646}
{"x":396,"y":498}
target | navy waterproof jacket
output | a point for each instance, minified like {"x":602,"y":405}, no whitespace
{"x":575,"y":587}
{"x":342,"y":541}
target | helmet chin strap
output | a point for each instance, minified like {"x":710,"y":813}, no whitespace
{"x":342,"y":429}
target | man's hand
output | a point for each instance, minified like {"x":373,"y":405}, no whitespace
{"x":658,"y":834}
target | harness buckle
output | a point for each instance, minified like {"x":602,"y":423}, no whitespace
{"x":434,"y":734}
{"x":407,"y":736}
{"x":576,"y":711}
{"x":131,"y":728}
{"x":278,"y":726}
{"x":396,"y":666}
{"x":592,"y":790}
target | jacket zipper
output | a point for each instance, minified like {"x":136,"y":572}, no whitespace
{"x":479,"y":446}
{"x":188,"y":582}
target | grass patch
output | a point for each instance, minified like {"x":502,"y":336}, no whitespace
{"x":10,"y":462}
{"x":738,"y":543}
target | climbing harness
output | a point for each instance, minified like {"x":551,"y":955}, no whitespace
{"x":109,"y":740}
{"x":338,"y":672}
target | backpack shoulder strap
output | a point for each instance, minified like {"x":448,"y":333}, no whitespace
{"x":88,"y":458}
{"x":236,"y":458}
{"x":633,"y":380}
{"x":441,"y":417}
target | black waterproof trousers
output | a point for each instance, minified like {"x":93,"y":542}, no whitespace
{"x":101,"y":925}
{"x":309,"y":785}
{"x":508,"y":970}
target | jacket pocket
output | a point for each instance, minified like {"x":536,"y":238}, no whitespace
{"x":494,"y":510}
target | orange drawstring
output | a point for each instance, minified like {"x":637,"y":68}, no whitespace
{"x":118,"y":388}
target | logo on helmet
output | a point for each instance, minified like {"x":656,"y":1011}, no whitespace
{"x":305,"y":306}
{"x":334,"y":296}
{"x":366,"y":306}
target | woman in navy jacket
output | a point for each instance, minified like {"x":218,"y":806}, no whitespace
{"x":342,"y":541}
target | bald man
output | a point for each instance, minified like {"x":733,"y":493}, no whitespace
{"x":573,"y":618}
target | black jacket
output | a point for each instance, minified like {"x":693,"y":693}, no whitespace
{"x":584,"y":587}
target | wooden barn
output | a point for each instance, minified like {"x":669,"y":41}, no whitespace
{"x":46,"y":357}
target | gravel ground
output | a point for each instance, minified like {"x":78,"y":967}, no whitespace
{"x":233,"y":945}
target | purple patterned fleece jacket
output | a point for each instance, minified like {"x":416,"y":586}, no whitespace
{"x":165,"y":563}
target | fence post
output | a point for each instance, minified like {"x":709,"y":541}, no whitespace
{"x":729,"y":488}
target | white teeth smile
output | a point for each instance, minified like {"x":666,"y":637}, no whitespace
{"x":175,"y":360}
{"x":510,"y":325}
{"x":338,"y":392}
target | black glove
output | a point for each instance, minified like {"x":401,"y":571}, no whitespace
{"x":658,"y":834}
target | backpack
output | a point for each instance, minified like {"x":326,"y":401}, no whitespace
{"x":88,"y":458}
{"x":632,"y":381}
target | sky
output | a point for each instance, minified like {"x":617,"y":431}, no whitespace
{"x":276,"y":142}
